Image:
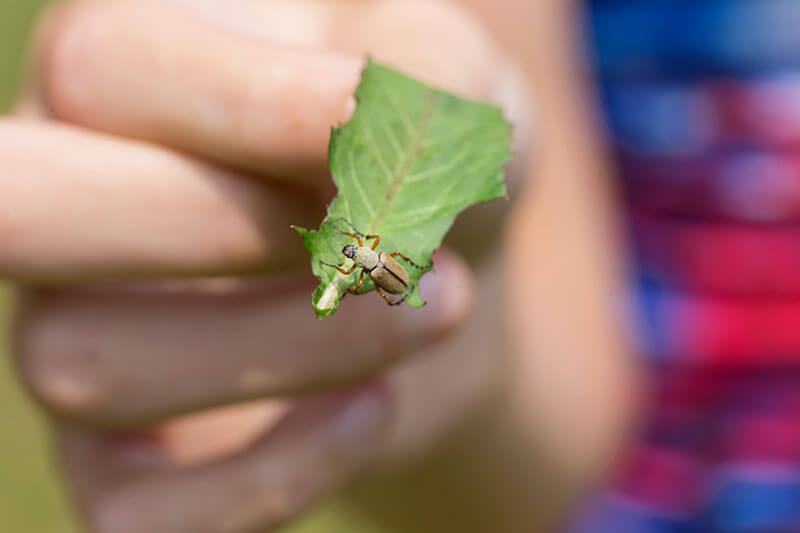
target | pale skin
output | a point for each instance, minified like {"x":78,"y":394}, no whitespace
{"x":159,"y":144}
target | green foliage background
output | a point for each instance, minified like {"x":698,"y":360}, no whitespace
{"x":30,"y":492}
{"x":31,"y":497}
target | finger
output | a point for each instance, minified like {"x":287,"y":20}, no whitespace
{"x":168,"y":76}
{"x":207,"y":81}
{"x":127,"y":486}
{"x":574,"y":384}
{"x":407,"y":34}
{"x":112,"y":357}
{"x":77,"y":205}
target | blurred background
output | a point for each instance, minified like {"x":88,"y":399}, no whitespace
{"x":700,"y":105}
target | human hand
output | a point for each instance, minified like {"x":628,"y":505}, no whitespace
{"x":187,"y":137}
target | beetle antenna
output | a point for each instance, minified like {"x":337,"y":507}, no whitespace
{"x":429,"y":265}
{"x":321,"y":262}
{"x":348,"y":223}
{"x":337,"y":228}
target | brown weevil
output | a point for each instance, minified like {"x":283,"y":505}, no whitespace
{"x":384,"y":271}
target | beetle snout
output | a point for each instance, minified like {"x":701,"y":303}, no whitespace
{"x":349,"y":251}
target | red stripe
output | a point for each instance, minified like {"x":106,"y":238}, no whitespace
{"x":723,"y":258}
{"x":705,"y":330}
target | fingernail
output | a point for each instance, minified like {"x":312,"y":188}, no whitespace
{"x":448,"y":292}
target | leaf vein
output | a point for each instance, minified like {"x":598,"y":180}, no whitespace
{"x":398,"y":109}
{"x":373,"y":152}
{"x":358,"y":185}
{"x":413,"y":178}
{"x":414,"y":147}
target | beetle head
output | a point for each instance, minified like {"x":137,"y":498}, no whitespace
{"x":349,"y":250}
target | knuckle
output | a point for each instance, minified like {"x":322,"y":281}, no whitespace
{"x":62,"y":377}
{"x":73,"y":35}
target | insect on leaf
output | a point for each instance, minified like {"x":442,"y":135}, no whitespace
{"x":410,"y":159}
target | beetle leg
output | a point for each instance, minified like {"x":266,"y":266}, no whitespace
{"x":395,"y":254}
{"x":386,"y":298}
{"x":339,"y":268}
{"x":377,"y":240}
{"x":356,"y":237}
{"x":357,"y":288}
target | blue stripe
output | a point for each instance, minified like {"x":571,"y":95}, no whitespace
{"x":742,"y":503}
{"x":693,"y":37}
{"x":614,"y":515}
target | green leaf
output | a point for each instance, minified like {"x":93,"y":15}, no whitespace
{"x":410,"y":160}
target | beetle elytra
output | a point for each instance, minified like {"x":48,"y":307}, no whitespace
{"x":383,"y":269}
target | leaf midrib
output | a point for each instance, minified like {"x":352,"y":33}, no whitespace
{"x":400,"y":174}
